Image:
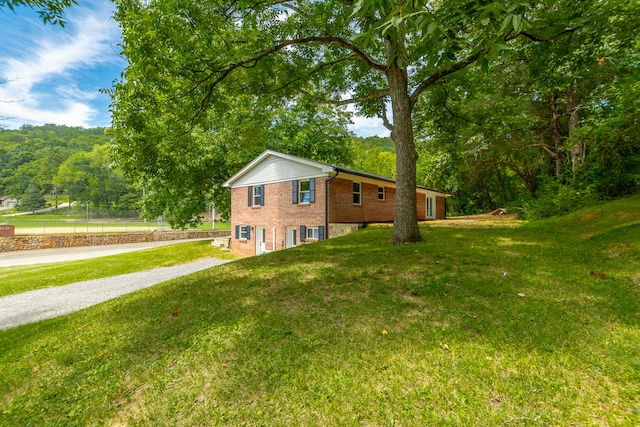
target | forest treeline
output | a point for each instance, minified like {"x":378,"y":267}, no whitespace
{"x":491,"y":150}
{"x":73,"y":163}
{"x":76,"y":163}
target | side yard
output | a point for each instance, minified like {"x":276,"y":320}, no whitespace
{"x":481,"y":324}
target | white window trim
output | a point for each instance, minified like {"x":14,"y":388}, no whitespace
{"x":257,"y":193}
{"x":301,"y":192}
{"x":245,"y":228}
{"x":311,"y":231}
{"x":384,"y":193}
{"x":359,"y":193}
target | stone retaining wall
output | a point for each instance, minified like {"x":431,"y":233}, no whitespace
{"x":340,"y":229}
{"x":24,"y":243}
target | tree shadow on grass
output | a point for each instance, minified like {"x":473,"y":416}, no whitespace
{"x":241,"y":331}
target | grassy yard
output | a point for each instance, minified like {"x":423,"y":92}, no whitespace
{"x":481,"y":325}
{"x":27,"y":278}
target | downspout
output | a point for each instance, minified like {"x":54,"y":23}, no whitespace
{"x":326,"y":205}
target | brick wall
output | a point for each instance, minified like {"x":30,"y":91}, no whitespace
{"x":278,"y":211}
{"x":441,"y":207}
{"x":7,"y":230}
{"x":21,"y":243}
{"x":342,"y":209}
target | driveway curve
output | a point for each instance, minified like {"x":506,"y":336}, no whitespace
{"x":33,"y":306}
{"x":46,"y":256}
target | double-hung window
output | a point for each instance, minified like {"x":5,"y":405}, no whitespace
{"x":244,"y":232}
{"x":381,"y":193}
{"x":305,"y":192}
{"x":357,"y":193}
{"x":257,"y":195}
{"x":312,"y":233}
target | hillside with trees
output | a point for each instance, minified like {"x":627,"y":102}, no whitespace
{"x":53,"y":160}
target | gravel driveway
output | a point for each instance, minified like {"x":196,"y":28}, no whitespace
{"x":32,"y":306}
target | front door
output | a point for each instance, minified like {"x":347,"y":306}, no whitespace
{"x":431,"y":207}
{"x":261,"y":238}
{"x":291,"y":237}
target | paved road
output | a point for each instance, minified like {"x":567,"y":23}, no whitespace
{"x":33,"y":306}
{"x":43,"y":256}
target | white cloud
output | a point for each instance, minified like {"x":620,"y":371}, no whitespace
{"x":44,"y":81}
{"x":365,"y":126}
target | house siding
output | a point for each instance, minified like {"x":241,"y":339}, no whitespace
{"x":278,"y":211}
{"x":276,"y":169}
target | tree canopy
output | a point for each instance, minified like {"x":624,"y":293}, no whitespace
{"x":555,"y":124}
{"x":189,"y":62}
{"x":51,"y":11}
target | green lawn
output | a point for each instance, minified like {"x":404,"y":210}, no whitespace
{"x":64,"y":224}
{"x":481,"y":325}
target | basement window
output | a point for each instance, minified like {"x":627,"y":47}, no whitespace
{"x":244,"y":232}
{"x":312,"y":233}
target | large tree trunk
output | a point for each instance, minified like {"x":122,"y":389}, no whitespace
{"x":556,"y":133}
{"x":405,"y":223}
{"x":578,"y":149}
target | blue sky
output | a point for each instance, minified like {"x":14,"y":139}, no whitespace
{"x":54,"y":75}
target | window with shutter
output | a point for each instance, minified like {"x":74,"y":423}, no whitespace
{"x":294,"y":192}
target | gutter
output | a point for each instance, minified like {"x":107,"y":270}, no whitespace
{"x":326,"y":204}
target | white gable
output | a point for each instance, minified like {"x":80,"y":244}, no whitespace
{"x":276,"y":168}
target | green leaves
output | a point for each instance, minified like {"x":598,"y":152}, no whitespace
{"x":50,"y":11}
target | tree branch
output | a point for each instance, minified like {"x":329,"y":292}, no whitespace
{"x":223,"y":73}
{"x":313,"y":39}
{"x":315,"y":70}
{"x":371,"y":97}
{"x":441,"y":74}
{"x":548,"y":148}
{"x":294,"y":8}
{"x":444,"y":104}
{"x":535,"y":38}
{"x":384,"y":117}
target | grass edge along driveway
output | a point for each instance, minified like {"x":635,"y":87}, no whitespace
{"x":27,"y":278}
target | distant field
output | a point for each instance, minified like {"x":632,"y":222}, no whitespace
{"x":490,"y":324}
{"x":54,"y":224}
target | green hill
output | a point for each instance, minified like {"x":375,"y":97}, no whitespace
{"x":483,"y":324}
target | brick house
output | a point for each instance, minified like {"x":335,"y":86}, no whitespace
{"x":279,"y":201}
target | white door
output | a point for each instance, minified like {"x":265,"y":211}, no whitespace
{"x":261,"y":237}
{"x":291,"y":237}
{"x":431,"y":207}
